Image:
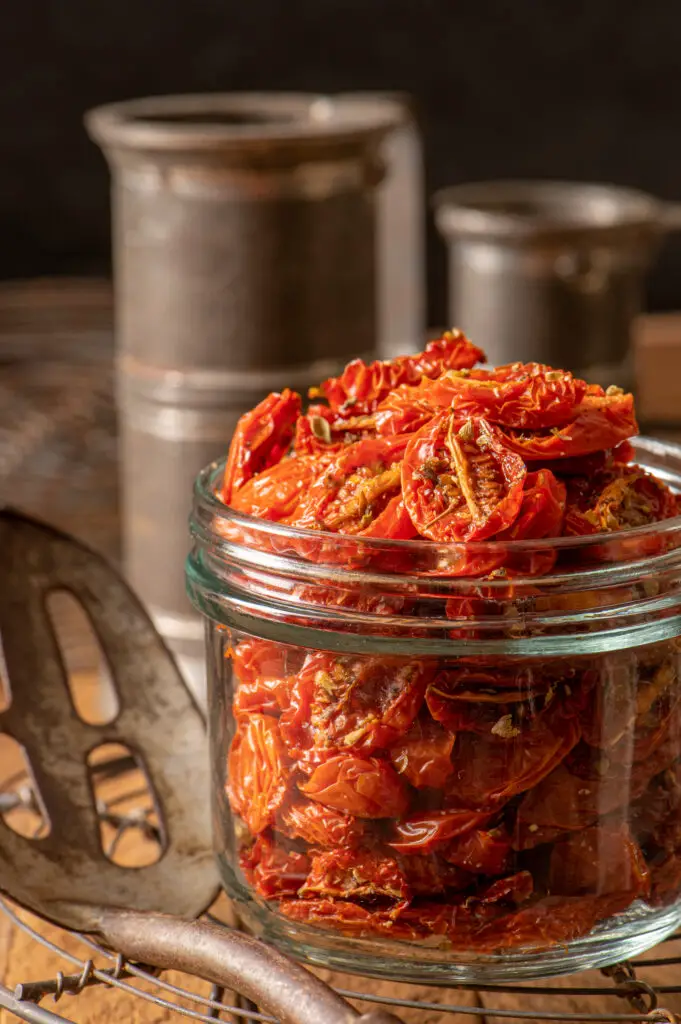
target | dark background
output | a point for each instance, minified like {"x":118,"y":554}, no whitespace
{"x":553,"y":88}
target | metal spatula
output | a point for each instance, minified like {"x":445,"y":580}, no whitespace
{"x":66,"y":877}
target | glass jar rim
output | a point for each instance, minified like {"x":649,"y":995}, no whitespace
{"x":246,"y":570}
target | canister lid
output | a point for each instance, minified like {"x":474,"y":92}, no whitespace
{"x":524,"y":211}
{"x":245,"y":123}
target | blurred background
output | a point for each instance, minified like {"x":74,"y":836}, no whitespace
{"x":584,"y":91}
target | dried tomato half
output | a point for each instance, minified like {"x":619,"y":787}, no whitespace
{"x":620,"y":500}
{"x":352,"y":703}
{"x":481,"y":851}
{"x":254,"y":659}
{"x":359,"y":492}
{"x":599,"y":421}
{"x":261,"y":438}
{"x":361,"y":386}
{"x":265,"y":674}
{"x":272,"y":870}
{"x":423,"y":832}
{"x":341,"y":915}
{"x":276,"y":493}
{"x":424,"y":754}
{"x":527,"y":396}
{"x":460,"y":481}
{"x":542,"y":509}
{"x":597,"y":861}
{"x":323,"y":433}
{"x":403,"y":411}
{"x":429,"y":874}
{"x":489,"y":770}
{"x":550,"y":921}
{"x":357,"y":874}
{"x":363,"y":787}
{"x":319,"y":825}
{"x":258,"y":772}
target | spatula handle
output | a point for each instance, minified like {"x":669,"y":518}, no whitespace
{"x":229,"y":958}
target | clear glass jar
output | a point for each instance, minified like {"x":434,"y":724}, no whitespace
{"x":425,"y":775}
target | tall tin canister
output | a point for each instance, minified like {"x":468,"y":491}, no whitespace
{"x":244,"y":261}
{"x":401,"y":234}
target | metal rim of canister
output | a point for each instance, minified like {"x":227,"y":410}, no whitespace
{"x":244,"y":122}
{"x":523,"y":212}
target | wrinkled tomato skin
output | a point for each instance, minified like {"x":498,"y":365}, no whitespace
{"x":488,"y":771}
{"x":598,"y":422}
{"x":423,"y":755}
{"x":524,"y":396}
{"x":542,"y":509}
{"x":273,"y":871}
{"x":257,"y":659}
{"x":258,"y":772}
{"x":320,"y":826}
{"x":351,"y":874}
{"x":430,"y":830}
{"x":481,"y":851}
{"x":600,"y":860}
{"x":261,"y":438}
{"x":361,"y":387}
{"x":460,"y":482}
{"x":277,"y":492}
{"x":353,"y":704}
{"x":365,"y":788}
{"x":359,"y":492}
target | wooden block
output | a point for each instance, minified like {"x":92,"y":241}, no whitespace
{"x":657,"y":368}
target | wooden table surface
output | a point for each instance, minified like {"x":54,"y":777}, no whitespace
{"x":55,"y":380}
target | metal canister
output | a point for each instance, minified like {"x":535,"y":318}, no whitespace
{"x":400,"y":238}
{"x":551,"y":271}
{"x":244,"y":256}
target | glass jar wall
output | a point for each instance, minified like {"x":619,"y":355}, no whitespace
{"x":419,"y":772}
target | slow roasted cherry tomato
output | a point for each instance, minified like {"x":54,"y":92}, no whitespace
{"x":541,"y":511}
{"x":350,"y":703}
{"x":361,"y":387}
{"x":460,"y":481}
{"x":256,"y":659}
{"x":321,"y":432}
{"x":481,"y":851}
{"x":598,"y":422}
{"x":430,"y":829}
{"x":363,"y":787}
{"x":359,"y":492}
{"x":489,"y":770}
{"x":525,"y":396}
{"x":319,"y":825}
{"x":353,"y":874}
{"x":264,"y":673}
{"x":620,"y":501}
{"x":429,"y":874}
{"x":277,"y":492}
{"x":341,"y":915}
{"x":261,"y":438}
{"x":598,"y":861}
{"x":424,"y":754}
{"x":258,"y":772}
{"x":272,"y":870}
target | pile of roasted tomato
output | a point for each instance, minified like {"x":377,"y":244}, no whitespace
{"x":491,"y":803}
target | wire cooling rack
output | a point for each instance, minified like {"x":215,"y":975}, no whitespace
{"x":126,"y":814}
